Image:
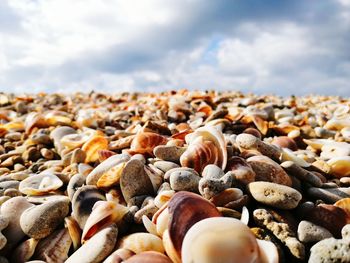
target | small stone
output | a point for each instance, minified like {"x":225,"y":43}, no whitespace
{"x":268,"y":170}
{"x":169,"y":153}
{"x":275,"y":195}
{"x":8,"y":185}
{"x":330,"y":250}
{"x":345,"y":232}
{"x":134,"y":181}
{"x":40,"y":221}
{"x":345,"y":181}
{"x":97,"y":248}
{"x":183,"y":179}
{"x":329,"y":195}
{"x":309,"y":232}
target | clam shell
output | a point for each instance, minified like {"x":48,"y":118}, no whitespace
{"x":216,"y":137}
{"x":185,"y":209}
{"x":145,"y":142}
{"x":24,"y":251}
{"x":92,"y":146}
{"x":140,"y":242}
{"x":74,"y":231}
{"x":340,"y":166}
{"x":39,"y":184}
{"x":227,"y":237}
{"x":33,"y":120}
{"x":111,"y":176}
{"x":149,"y":257}
{"x":103,"y":214}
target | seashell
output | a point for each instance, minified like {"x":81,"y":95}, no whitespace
{"x":145,"y":142}
{"x":84,"y":169}
{"x":335,"y":149}
{"x":226,"y":196}
{"x":185,"y":209}
{"x":73,"y":141}
{"x":345,"y":205}
{"x":149,"y":257}
{"x":209,"y":138}
{"x":92,"y":146}
{"x":55,"y":247}
{"x":90,"y":117}
{"x":39,"y":184}
{"x":340,"y":166}
{"x":58,"y":133}
{"x":55,"y":118}
{"x":345,"y":132}
{"x":163,"y":197}
{"x":103,"y":167}
{"x":74,"y":231}
{"x":111,"y":176}
{"x":241,"y":170}
{"x":141,"y":242}
{"x":288,"y":155}
{"x":121,"y":143}
{"x":104,"y":154}
{"x":285,"y":142}
{"x":317,"y":144}
{"x":230,"y":236}
{"x":24,"y":251}
{"x":120,"y":255}
{"x":268,"y":170}
{"x":260,"y":123}
{"x":82,"y":202}
{"x":337,"y":123}
{"x":33,"y":120}
{"x":103,"y":213}
{"x":155,"y":175}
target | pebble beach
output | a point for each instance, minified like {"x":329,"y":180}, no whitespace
{"x":178,"y":176}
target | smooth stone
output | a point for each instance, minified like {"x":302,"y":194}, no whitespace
{"x":3,"y":224}
{"x":96,"y":248}
{"x":8,"y":185}
{"x":345,"y":181}
{"x":165,"y":165}
{"x":74,"y":183}
{"x":40,"y":221}
{"x":169,"y":153}
{"x":82,"y":202}
{"x":134,"y":181}
{"x":268,"y":170}
{"x":212,"y":171}
{"x":183,"y":179}
{"x":309,"y":232}
{"x":329,"y":195}
{"x":275,"y":195}
{"x":13,"y":209}
{"x":330,"y":250}
{"x":107,"y":164}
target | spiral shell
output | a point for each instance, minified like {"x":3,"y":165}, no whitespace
{"x":145,"y":142}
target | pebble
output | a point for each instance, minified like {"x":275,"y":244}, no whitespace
{"x":169,"y":153}
{"x":40,"y":221}
{"x":97,"y":248}
{"x":330,"y":250}
{"x":329,"y":195}
{"x":308,"y":232}
{"x":8,"y":185}
{"x":275,"y":195}
{"x":165,"y":165}
{"x":183,"y":179}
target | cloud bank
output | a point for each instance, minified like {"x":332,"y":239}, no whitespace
{"x":281,"y":47}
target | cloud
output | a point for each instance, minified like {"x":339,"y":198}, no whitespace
{"x":282,"y":47}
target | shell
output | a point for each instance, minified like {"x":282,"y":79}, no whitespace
{"x":211,"y":143}
{"x":104,"y":154}
{"x":185,"y":209}
{"x":241,"y":170}
{"x":227,"y":237}
{"x":24,"y":251}
{"x":54,"y":118}
{"x":55,"y":247}
{"x":118,"y":256}
{"x":340,"y":166}
{"x":33,"y":120}
{"x":145,"y":142}
{"x":92,"y":146}
{"x":39,"y":184}
{"x":345,"y":205}
{"x":140,"y":242}
{"x":111,"y":176}
{"x":103,"y":214}
{"x":163,"y":197}
{"x":149,"y":257}
{"x":285,"y":142}
{"x":74,"y":231}
{"x":288,"y":155}
{"x":338,"y":123}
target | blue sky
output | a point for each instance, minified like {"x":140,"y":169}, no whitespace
{"x":282,"y":47}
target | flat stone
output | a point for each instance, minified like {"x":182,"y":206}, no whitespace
{"x":40,"y":221}
{"x":96,"y":248}
{"x":275,"y":195}
{"x":309,"y":232}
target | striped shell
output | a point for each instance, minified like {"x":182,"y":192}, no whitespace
{"x":145,"y":142}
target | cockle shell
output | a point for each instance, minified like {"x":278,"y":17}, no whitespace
{"x":39,"y":184}
{"x":145,"y":142}
{"x":140,"y":242}
{"x":92,"y":146}
{"x":214,"y":138}
{"x":340,"y":166}
{"x":103,"y":214}
{"x":223,"y":237}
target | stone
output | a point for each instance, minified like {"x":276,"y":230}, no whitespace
{"x":309,"y":232}
{"x":330,"y":250}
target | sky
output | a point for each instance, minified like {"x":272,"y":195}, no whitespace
{"x":280,"y":47}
